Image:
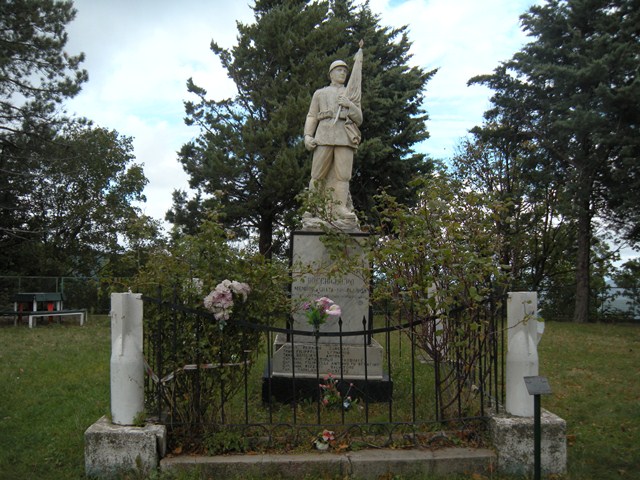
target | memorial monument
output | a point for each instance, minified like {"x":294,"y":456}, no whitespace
{"x":331,"y":133}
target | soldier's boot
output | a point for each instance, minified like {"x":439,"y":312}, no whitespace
{"x":341,"y":196}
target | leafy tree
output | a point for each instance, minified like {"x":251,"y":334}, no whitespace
{"x":67,"y":188}
{"x":36,"y":76}
{"x":80,"y":202}
{"x":249,"y":158}
{"x":140,"y":235}
{"x":568,"y":93}
{"x":536,"y":241}
{"x":437,"y":265}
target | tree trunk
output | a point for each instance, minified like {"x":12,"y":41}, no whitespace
{"x":265,"y":239}
{"x":583,"y":254}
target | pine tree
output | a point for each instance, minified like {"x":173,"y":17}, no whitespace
{"x":249,"y":159}
{"x":568,"y":93}
{"x":36,"y":76}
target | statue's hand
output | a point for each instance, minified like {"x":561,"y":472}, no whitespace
{"x":310,"y":142}
{"x":343,"y":101}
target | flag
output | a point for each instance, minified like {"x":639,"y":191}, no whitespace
{"x":354,"y":85}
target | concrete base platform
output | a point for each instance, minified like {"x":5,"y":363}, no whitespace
{"x":513,"y":439}
{"x":111,"y":450}
{"x":363,"y":464}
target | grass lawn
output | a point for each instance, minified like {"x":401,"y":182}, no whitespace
{"x":594,"y":372}
{"x":55,"y":384}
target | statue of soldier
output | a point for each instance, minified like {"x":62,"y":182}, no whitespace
{"x":331,"y":132}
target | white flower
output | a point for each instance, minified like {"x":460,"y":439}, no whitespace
{"x":220,"y":300}
{"x":240,"y":288}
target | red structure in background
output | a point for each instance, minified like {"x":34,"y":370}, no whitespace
{"x":38,"y":302}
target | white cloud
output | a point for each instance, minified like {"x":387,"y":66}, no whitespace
{"x":139,"y":57}
{"x":462,"y":39}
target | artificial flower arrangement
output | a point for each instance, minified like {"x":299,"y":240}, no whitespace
{"x":221,"y":299}
{"x":319,"y":310}
{"x":324,"y":440}
{"x":331,"y":396}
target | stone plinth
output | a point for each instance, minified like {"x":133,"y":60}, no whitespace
{"x":356,"y":362}
{"x":111,"y":450}
{"x":311,"y":263}
{"x":513,"y":439}
{"x":300,"y":361}
{"x":289,"y":389}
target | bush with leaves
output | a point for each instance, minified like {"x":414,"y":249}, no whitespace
{"x":205,"y":353}
{"x":437,"y":266}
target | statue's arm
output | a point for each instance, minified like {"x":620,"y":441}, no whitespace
{"x":354,"y":112}
{"x":311,"y":124}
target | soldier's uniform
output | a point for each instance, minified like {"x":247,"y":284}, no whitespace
{"x":336,"y":140}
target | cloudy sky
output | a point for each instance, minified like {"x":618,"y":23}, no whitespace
{"x":139,"y":55}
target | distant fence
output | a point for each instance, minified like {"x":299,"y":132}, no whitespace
{"x":620,"y":303}
{"x":608,"y":304}
{"x":87,"y":293}
{"x":201,"y":380}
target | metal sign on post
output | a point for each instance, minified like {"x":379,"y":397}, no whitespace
{"x":537,"y":386}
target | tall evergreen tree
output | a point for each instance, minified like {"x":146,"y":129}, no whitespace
{"x":568,"y":92}
{"x":36,"y":76}
{"x":249,"y":158}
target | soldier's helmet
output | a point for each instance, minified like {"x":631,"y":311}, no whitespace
{"x":338,"y":63}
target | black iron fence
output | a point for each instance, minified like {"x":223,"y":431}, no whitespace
{"x":216,"y":388}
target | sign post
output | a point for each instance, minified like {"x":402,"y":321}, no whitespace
{"x":537,"y":386}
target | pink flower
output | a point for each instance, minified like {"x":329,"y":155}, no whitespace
{"x":334,"y":310}
{"x":318,"y":311}
{"x":324,"y":302}
{"x":220,"y":300}
{"x":221,"y":314}
{"x":223,"y":298}
{"x":328,"y":306}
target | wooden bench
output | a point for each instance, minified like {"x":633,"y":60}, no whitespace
{"x":53,"y":313}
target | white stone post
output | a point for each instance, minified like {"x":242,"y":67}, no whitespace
{"x":522,"y":353}
{"x":127,"y":361}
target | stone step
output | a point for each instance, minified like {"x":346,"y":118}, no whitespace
{"x":360,"y":464}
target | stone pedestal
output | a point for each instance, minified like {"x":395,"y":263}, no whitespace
{"x":299,"y":361}
{"x":311,"y":264}
{"x":513,"y":439}
{"x":113,"y":450}
{"x":354,"y":362}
